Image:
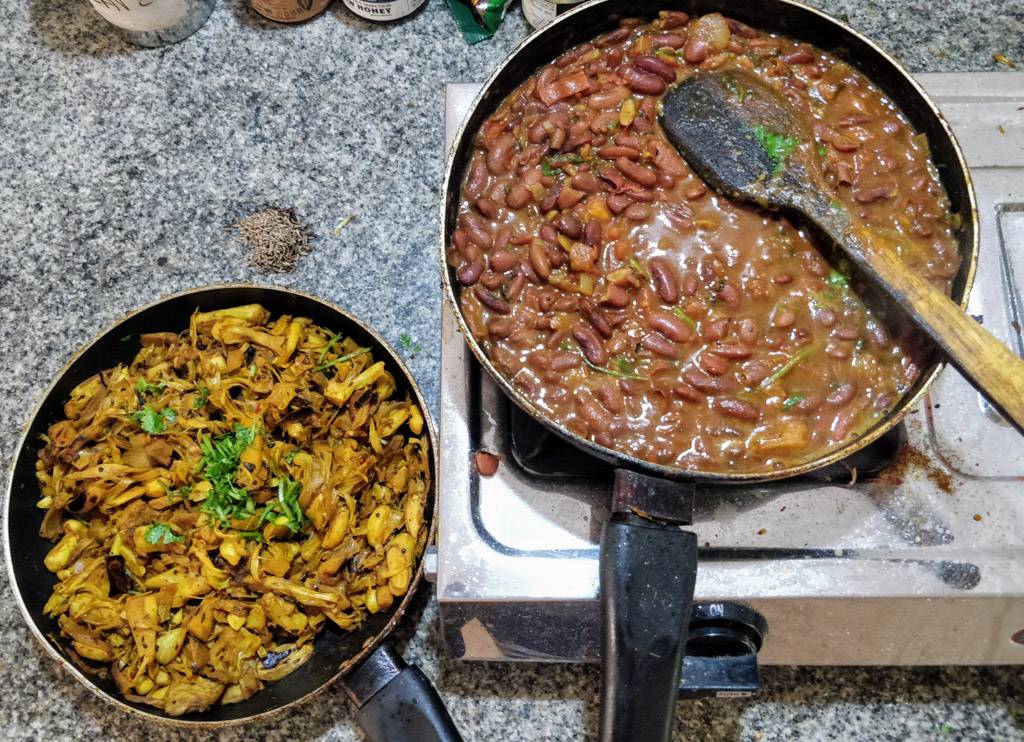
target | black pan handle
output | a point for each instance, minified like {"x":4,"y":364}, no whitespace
{"x":396,"y":702}
{"x":647,"y":575}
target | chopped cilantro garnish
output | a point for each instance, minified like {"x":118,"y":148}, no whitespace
{"x":290,"y":456}
{"x":285,"y":510}
{"x":837,"y":279}
{"x":162,"y":534}
{"x":204,"y":395}
{"x":637,"y":266}
{"x":778,"y":146}
{"x":678,"y":312}
{"x":341,"y":359}
{"x":791,"y":402}
{"x":624,"y":368}
{"x":822,"y":150}
{"x":154,"y":421}
{"x":144,"y":387}
{"x":550,"y":164}
{"x":788,"y":366}
{"x":405,"y":341}
{"x":221,"y":457}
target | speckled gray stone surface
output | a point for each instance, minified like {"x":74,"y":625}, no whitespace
{"x":121,"y":170}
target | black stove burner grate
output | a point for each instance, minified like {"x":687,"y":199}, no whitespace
{"x":544,"y":454}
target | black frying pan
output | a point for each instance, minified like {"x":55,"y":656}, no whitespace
{"x":395,"y":701}
{"x":647,"y":562}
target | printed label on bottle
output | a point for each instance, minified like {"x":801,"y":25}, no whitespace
{"x":289,"y":11}
{"x":383,"y":10}
{"x":143,"y":15}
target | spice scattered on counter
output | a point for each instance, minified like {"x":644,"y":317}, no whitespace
{"x":342,"y":224}
{"x":276,"y":238}
{"x":1005,"y":61}
{"x":486,"y":463}
{"x":977,"y":516}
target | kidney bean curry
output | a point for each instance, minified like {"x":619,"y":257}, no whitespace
{"x":657,"y":318}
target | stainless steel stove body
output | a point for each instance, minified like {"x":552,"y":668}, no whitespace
{"x":898,"y":569}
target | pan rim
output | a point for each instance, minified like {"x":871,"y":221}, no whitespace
{"x":366,"y":649}
{"x":625,"y":460}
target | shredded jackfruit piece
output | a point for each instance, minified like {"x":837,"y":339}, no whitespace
{"x":215,"y":502}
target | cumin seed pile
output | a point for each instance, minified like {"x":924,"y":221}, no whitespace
{"x":276,"y":239}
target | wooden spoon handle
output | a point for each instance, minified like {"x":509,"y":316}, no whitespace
{"x":994,"y":369}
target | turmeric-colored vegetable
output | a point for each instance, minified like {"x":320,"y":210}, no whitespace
{"x":199,"y":558}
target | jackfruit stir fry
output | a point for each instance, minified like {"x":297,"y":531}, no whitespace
{"x":219,"y":500}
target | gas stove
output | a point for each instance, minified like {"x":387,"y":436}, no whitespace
{"x":913,"y":554}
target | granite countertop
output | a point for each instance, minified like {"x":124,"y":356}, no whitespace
{"x":121,"y":171}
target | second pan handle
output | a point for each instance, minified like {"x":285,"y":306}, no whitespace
{"x":647,"y":573}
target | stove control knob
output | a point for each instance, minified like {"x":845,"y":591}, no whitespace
{"x":721,"y":651}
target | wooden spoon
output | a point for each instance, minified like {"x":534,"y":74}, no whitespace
{"x":744,"y":140}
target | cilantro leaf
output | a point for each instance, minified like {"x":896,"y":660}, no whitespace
{"x":791,"y":402}
{"x":285,"y":510}
{"x":162,"y":534}
{"x":144,"y":387}
{"x":778,"y":146}
{"x":154,"y":421}
{"x":687,"y":319}
{"x":221,"y":456}
{"x":204,"y":396}
{"x":837,"y":279}
{"x":290,"y":456}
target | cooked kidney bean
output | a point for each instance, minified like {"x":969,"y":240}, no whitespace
{"x":670,"y":40}
{"x":841,"y":395}
{"x":696,"y":50}
{"x":492,"y":302}
{"x":643,"y":82}
{"x":568,"y":197}
{"x":636,"y":172}
{"x":651,"y":64}
{"x":713,"y":364}
{"x":518,"y":196}
{"x":580,"y":222}
{"x":638,"y":213}
{"x":700,"y":380}
{"x":618,"y":203}
{"x":669,"y":325}
{"x":487,"y":207}
{"x":737,"y":408}
{"x":874,"y":193}
{"x":615,"y":151}
{"x":595,"y":316}
{"x":499,"y":156}
{"x":659,"y":345}
{"x":470,"y":272}
{"x":569,"y":225}
{"x":503,"y":260}
{"x":591,"y":343}
{"x":586,"y":182}
{"x":734,"y":351}
{"x":799,"y":56}
{"x":615,"y":296}
{"x":665,"y":278}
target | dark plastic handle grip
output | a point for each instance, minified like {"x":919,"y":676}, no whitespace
{"x":647,"y":576}
{"x":397,"y":702}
